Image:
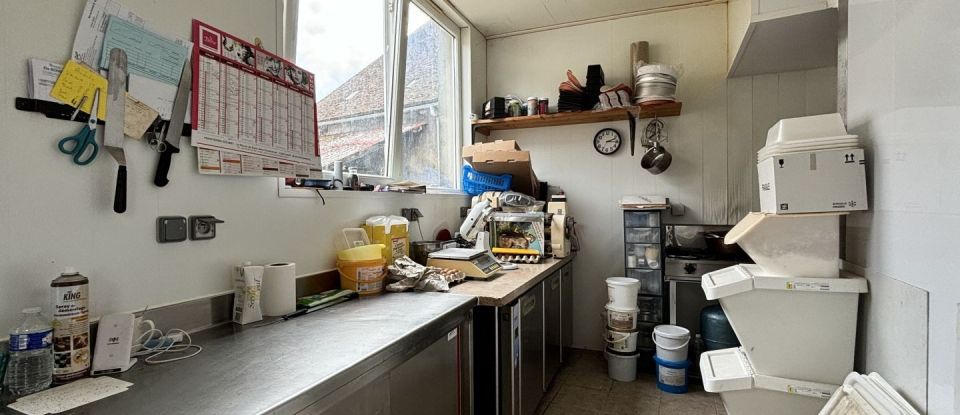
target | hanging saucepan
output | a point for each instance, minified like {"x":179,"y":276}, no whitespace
{"x":656,"y":159}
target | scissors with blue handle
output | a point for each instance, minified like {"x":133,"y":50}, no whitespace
{"x":77,"y":145}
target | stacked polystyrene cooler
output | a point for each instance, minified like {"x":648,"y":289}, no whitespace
{"x":793,"y":312}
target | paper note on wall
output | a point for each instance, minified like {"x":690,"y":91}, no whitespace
{"x":137,"y":117}
{"x":88,"y":46}
{"x":78,"y":81}
{"x":148,"y":54}
{"x":43,"y":75}
{"x":88,"y":41}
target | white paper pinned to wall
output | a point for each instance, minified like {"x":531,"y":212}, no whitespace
{"x":88,"y":48}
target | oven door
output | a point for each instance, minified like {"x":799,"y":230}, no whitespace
{"x":686,"y":302}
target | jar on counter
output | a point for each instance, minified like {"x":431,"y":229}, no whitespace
{"x":543,"y":105}
{"x":533,"y":105}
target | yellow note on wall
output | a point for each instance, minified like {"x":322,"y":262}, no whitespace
{"x":77,"y":81}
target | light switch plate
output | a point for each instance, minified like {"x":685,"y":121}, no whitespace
{"x":171,"y":229}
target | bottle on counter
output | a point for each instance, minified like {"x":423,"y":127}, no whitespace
{"x":71,"y":326}
{"x":30,"y":368}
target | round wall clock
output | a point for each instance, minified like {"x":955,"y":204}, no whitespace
{"x":607,"y":141}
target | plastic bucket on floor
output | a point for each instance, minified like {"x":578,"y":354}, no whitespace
{"x":621,"y":318}
{"x":622,"y":292}
{"x":622,"y":341}
{"x":672,"y":376}
{"x":622,"y":367}
{"x":672,"y":342}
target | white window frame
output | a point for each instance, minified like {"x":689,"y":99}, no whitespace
{"x":395,"y":81}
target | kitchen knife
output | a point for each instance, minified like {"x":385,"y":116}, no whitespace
{"x":113,"y":130}
{"x":176,"y":123}
{"x":633,"y":131}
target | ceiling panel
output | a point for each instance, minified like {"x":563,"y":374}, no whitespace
{"x":496,"y":17}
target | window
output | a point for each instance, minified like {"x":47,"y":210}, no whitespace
{"x":405,"y":133}
{"x":342,"y":43}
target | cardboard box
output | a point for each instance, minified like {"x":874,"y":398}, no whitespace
{"x":819,"y":181}
{"x":504,"y":157}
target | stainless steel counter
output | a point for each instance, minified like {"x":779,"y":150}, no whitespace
{"x":284,"y":367}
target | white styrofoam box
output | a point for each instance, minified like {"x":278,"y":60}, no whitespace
{"x":804,"y":245}
{"x":806,"y":128}
{"x":867,"y":393}
{"x":816,"y":181}
{"x":730,"y":373}
{"x":797,"y":328}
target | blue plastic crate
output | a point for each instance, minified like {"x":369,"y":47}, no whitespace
{"x":475,"y":183}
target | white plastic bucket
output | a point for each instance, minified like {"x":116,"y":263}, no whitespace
{"x":622,"y":292}
{"x":622,"y":341}
{"x":621,"y":318}
{"x":671,"y":342}
{"x":622,"y":367}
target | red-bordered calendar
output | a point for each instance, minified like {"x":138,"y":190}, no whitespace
{"x":254,"y":113}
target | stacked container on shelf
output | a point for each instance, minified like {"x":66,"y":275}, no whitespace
{"x":794,"y":312}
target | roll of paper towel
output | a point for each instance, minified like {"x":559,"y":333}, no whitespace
{"x":279,"y":294}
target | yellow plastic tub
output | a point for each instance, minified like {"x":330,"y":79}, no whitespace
{"x":362,"y":253}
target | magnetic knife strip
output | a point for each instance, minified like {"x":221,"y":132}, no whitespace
{"x":64,"y":112}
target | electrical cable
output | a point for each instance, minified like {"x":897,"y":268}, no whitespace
{"x":321,"y":197}
{"x":173,"y":346}
{"x":420,"y":230}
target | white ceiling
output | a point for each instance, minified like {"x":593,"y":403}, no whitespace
{"x":497,"y":17}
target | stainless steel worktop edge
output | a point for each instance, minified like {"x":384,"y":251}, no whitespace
{"x":380,"y":361}
{"x":289,"y":366}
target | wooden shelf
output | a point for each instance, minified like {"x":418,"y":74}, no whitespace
{"x":581,"y":117}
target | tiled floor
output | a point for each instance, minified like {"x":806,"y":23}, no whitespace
{"x":583,"y":388}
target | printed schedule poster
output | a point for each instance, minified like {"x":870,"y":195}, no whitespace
{"x":254,"y":113}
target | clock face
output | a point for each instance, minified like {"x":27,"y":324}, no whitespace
{"x":607,"y":141}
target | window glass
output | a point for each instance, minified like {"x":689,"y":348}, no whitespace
{"x":342,"y":43}
{"x":428,"y":142}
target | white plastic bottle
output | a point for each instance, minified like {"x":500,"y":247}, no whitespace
{"x":31,"y":356}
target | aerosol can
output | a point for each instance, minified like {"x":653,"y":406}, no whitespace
{"x":71,"y":326}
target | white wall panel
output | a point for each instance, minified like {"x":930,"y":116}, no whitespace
{"x":54,"y":214}
{"x":714,"y":141}
{"x":903,"y":100}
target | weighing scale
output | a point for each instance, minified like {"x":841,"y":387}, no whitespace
{"x":475,"y":263}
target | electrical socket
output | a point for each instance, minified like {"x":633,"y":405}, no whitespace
{"x":203,"y":227}
{"x":411,"y":214}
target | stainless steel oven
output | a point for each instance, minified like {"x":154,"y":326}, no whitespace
{"x":683,"y":275}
